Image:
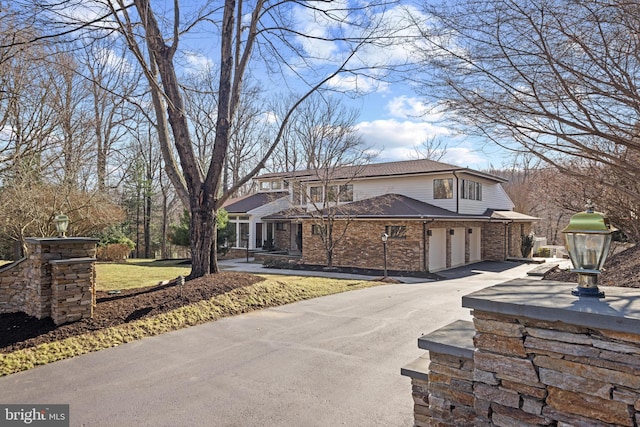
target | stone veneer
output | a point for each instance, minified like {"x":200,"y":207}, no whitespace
{"x":362,"y":247}
{"x":534,"y":356}
{"x":26,"y":285}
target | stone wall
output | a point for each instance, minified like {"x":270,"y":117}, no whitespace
{"x":73,"y":293}
{"x":26,"y":286}
{"x":362,"y":247}
{"x":540,"y":357}
{"x":12,"y":286}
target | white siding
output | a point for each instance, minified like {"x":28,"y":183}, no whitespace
{"x":255,"y":216}
{"x":416,"y":187}
{"x":421,"y":188}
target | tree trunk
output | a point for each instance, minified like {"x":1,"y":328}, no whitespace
{"x":202,"y":240}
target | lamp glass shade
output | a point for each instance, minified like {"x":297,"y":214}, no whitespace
{"x":384,"y":237}
{"x":588,"y":237}
{"x":588,"y":252}
{"x":62,"y":223}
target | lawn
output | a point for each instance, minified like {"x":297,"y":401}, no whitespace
{"x":270,"y":291}
{"x":137,"y":273}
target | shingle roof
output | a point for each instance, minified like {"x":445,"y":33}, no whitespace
{"x":409,"y":167}
{"x":246,"y":203}
{"x":385,"y":206}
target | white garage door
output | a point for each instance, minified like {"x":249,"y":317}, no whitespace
{"x":457,"y":247}
{"x":474,"y":244}
{"x":437,"y":249}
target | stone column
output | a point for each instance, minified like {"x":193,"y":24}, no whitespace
{"x":40,"y":251}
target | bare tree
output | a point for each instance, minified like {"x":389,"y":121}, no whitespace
{"x":556,"y":79}
{"x":247,"y":32}
{"x":332,"y":156}
{"x":432,"y":148}
{"x":112,"y":84}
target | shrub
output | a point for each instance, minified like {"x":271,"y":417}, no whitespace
{"x":115,"y":252}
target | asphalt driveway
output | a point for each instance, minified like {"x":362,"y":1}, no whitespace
{"x":329,"y":361}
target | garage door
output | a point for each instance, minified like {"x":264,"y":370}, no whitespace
{"x":457,"y":247}
{"x":437,"y":249}
{"x":474,"y":244}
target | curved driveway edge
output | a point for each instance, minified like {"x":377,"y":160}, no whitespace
{"x":328,"y":361}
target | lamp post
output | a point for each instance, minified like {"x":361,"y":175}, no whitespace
{"x":588,"y":237}
{"x":384,"y":238}
{"x":62,"y":223}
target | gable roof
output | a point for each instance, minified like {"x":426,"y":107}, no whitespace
{"x":252,"y":201}
{"x":401,"y":168}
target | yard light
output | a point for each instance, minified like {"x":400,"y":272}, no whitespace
{"x":588,"y":238}
{"x":62,"y":223}
{"x":384,"y":237}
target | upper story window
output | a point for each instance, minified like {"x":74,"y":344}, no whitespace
{"x":272,"y":185}
{"x":443,"y":188}
{"x":340,"y":193}
{"x":471,"y":190}
{"x":315,"y":194}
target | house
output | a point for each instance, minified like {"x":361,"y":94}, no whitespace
{"x":436,"y":216}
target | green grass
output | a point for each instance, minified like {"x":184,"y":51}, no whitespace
{"x":137,"y":273}
{"x":275,"y":290}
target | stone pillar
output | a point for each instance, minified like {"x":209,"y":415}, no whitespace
{"x":73,"y":295}
{"x":539,"y":356}
{"x":38,"y":272}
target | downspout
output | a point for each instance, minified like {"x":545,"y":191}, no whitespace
{"x":457,"y":193}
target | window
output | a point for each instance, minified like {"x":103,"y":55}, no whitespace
{"x":299,"y":196}
{"x":471,"y":190}
{"x":244,"y":233}
{"x":396,"y":231}
{"x":340,"y":193}
{"x":315,"y":194}
{"x":265,"y":185}
{"x":281,"y":226}
{"x":443,"y":188}
{"x":316,"y":230}
{"x":275,"y":185}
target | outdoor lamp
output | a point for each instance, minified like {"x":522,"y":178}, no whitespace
{"x":384,"y":237}
{"x":588,"y":239}
{"x":62,"y":223}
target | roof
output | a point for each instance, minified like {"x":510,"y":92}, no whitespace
{"x":252,"y":201}
{"x":409,"y":167}
{"x":385,"y":206}
{"x":509,"y":216}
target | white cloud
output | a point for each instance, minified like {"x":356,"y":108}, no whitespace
{"x":361,"y":84}
{"x":396,"y":140}
{"x":393,"y":134}
{"x":198,"y":63}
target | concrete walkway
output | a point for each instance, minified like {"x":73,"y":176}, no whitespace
{"x":241,"y":264}
{"x":328,"y":361}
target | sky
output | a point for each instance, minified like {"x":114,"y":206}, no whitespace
{"x":393,"y":118}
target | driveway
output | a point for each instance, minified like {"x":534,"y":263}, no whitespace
{"x":329,"y":361}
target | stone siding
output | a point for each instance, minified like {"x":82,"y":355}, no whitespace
{"x":26,"y":286}
{"x":73,"y":294}
{"x":526,"y":371}
{"x":13,"y":286}
{"x":547,"y":372}
{"x":362,"y":247}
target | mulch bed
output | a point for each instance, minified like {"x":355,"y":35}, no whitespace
{"x":18,"y":331}
{"x":621,"y":269}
